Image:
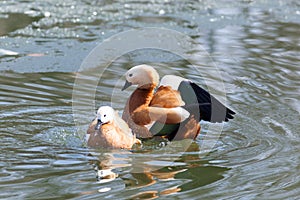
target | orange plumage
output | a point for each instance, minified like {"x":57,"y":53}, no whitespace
{"x":112,"y":132}
{"x":145,"y":105}
{"x":174,"y":110}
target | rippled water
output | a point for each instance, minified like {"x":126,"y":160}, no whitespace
{"x":256,"y":46}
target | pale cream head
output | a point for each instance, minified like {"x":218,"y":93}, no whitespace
{"x":142,"y":75}
{"x":105,"y":114}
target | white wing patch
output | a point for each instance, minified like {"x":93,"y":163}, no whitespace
{"x":172,"y":80}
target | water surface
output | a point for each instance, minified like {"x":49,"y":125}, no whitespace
{"x":255,"y":45}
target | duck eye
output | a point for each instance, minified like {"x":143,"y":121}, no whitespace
{"x":104,"y":115}
{"x":130,"y":75}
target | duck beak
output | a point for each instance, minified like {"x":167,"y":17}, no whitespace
{"x":99,"y":123}
{"x":126,"y":85}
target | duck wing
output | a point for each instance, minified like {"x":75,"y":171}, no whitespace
{"x":121,"y":124}
{"x":199,"y":101}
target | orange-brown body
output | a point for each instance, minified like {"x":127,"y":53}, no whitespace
{"x":164,"y":111}
{"x":110,"y":136}
{"x":141,"y":110}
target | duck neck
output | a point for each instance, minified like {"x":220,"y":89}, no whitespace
{"x":141,"y":96}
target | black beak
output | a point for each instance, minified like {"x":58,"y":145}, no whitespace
{"x":99,"y":123}
{"x":126,"y":85}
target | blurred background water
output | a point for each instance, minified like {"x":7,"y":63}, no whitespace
{"x":256,"y":46}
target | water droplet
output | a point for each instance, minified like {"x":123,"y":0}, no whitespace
{"x":162,"y":12}
{"x":47,"y":14}
{"x":106,"y":189}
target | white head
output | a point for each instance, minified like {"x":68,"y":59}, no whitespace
{"x":141,"y":75}
{"x":105,"y":115}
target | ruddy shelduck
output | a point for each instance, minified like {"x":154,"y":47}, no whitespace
{"x":173,"y":109}
{"x":108,"y":130}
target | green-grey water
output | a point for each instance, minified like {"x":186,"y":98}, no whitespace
{"x":256,"y":46}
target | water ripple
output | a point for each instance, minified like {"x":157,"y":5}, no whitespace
{"x":256,"y":48}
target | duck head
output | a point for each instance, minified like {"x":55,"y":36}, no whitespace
{"x":105,"y":115}
{"x":144,"y":76}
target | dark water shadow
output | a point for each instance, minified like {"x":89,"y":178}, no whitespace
{"x":15,"y":21}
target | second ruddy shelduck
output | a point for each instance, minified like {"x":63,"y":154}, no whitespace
{"x":171,"y":109}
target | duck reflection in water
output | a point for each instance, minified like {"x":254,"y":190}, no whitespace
{"x":141,"y":174}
